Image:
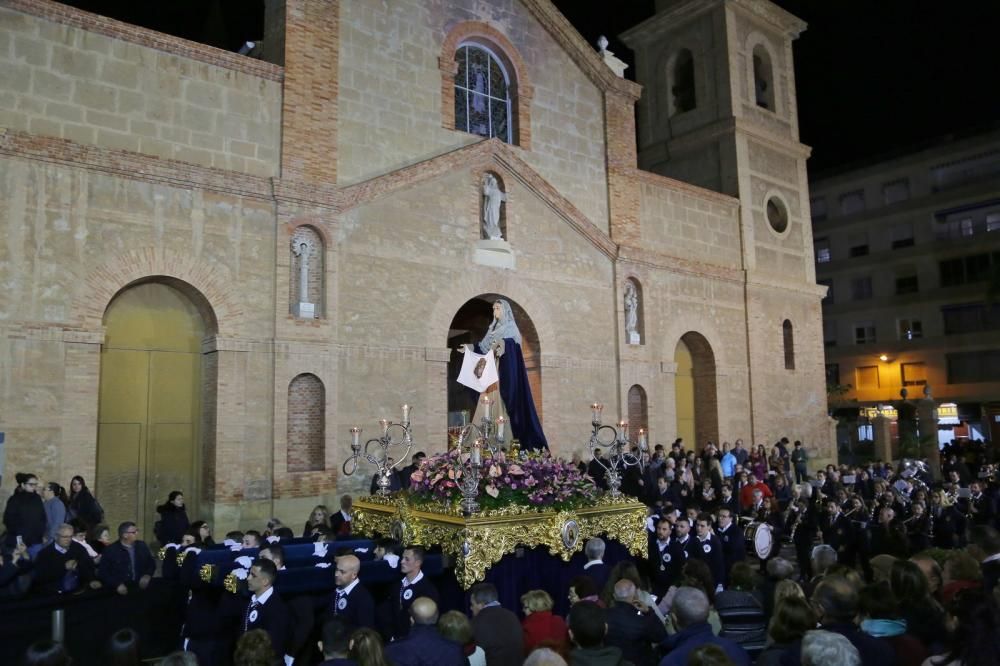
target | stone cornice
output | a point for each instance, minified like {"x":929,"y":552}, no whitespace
{"x":585,"y":57}
{"x":77,"y":18}
{"x":654,"y":259}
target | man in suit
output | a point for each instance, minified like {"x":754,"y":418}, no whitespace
{"x":665,"y":568}
{"x":837,"y":533}
{"x":708,"y":549}
{"x":351,"y":603}
{"x":424,"y":646}
{"x":266,"y":609}
{"x":340,"y":522}
{"x":595,"y":566}
{"x":412,"y":585}
{"x":682,"y":539}
{"x":63,"y":566}
{"x":127,"y":562}
{"x":634,"y":629}
{"x":496,"y":629}
{"x":985,"y":542}
{"x":733,"y":544}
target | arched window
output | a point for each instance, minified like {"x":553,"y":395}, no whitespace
{"x":638,"y":413}
{"x":763,"y":78}
{"x":306,"y":424}
{"x":681,"y":80}
{"x":789,"y":339}
{"x":482,"y":93}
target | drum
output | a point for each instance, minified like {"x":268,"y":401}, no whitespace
{"x":759,"y":539}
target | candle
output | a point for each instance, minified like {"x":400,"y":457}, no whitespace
{"x":500,"y":424}
{"x":477,"y":452}
{"x":642,"y":439}
{"x":355,"y":437}
{"x":486,"y":406}
{"x":596,"y":412}
{"x":385,"y":425}
{"x":406,"y":413}
{"x":623,"y":427}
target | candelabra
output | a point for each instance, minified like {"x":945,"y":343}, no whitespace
{"x":619,"y":458}
{"x":387,"y":444}
{"x":489,"y":435}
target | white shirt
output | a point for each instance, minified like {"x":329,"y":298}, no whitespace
{"x":262,"y":599}
{"x":407,"y":582}
{"x":347,"y":590}
{"x":592,"y":563}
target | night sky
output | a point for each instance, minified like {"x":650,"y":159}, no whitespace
{"x":874,"y":77}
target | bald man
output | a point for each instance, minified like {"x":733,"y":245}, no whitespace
{"x":351,"y":603}
{"x":632,"y":627}
{"x":424,"y":646}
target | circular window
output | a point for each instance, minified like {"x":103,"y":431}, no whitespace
{"x":777,"y":215}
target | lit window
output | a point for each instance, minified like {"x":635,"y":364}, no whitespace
{"x":867,"y":377}
{"x":482,"y":94}
{"x":909,"y":329}
{"x":822,"y":246}
{"x":913,"y":374}
{"x":993,"y":222}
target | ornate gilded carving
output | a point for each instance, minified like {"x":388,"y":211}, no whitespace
{"x":207,"y":572}
{"x":478,"y":542}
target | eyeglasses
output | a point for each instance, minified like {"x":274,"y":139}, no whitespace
{"x":131,"y":531}
{"x":31,"y":484}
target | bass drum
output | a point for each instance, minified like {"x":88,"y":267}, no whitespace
{"x":759,"y":539}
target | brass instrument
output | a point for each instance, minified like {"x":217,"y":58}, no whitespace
{"x":800,"y":512}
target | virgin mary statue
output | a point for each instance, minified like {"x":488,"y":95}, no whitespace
{"x":504,"y":338}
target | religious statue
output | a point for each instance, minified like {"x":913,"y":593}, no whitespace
{"x":303,"y":248}
{"x":492,"y":197}
{"x":631,"y":312}
{"x":514,"y":398}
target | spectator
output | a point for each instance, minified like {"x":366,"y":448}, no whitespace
{"x":689,"y":611}
{"x":882,"y":620}
{"x":340,"y":522}
{"x":318,"y":519}
{"x":923,"y":614}
{"x":587,"y":629}
{"x":497,"y":630}
{"x":173,"y":521}
{"x":632,"y":626}
{"x":542,"y":656}
{"x":336,"y":643}
{"x":974,"y":639}
{"x":14,"y":573}
{"x":793,"y":617}
{"x":203,"y":531}
{"x":824,"y":648}
{"x":63,"y":566}
{"x":582,"y":588}
{"x":366,"y":648}
{"x":539,"y":623}
{"x":961,"y":571}
{"x":55,"y":501}
{"x":126,"y":562}
{"x":99,"y":538}
{"x":254,"y":648}
{"x":456,"y":627}
{"x":424,"y":645}
{"x":24,"y":515}
{"x":709,"y":655}
{"x":83,"y":506}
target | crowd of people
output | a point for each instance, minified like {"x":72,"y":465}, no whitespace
{"x":887,"y":565}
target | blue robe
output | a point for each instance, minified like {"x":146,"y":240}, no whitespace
{"x":516,"y":394}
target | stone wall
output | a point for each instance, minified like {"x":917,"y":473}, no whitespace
{"x":95,"y":81}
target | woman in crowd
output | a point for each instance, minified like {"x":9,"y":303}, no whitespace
{"x":173,"y":521}
{"x":24,"y":516}
{"x":582,"y":588}
{"x":319,"y":520}
{"x":456,"y":627}
{"x":55,"y":501}
{"x":539,"y":623}
{"x":254,"y":649}
{"x":758,"y":462}
{"x":793,"y":617}
{"x":82,"y":504}
{"x":925,"y":618}
{"x":366,"y":648}
{"x":973,"y":639}
{"x":204,"y":532}
{"x":99,"y":536}
{"x":881,"y":619}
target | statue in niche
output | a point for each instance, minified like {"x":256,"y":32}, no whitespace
{"x":493,"y":196}
{"x":631,"y":313}
{"x":303,"y":249}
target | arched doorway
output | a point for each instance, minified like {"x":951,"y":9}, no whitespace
{"x":468,"y":326}
{"x":695,"y":391}
{"x":151,"y":399}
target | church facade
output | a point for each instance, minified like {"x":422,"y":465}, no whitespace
{"x":214,"y":265}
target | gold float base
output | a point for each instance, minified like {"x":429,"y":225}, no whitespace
{"x":479,"y":541}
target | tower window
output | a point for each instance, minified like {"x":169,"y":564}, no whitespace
{"x":763,"y":78}
{"x":482,"y":93}
{"x":682,"y":89}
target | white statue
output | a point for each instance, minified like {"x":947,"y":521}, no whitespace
{"x":492,"y":197}
{"x":303,"y":248}
{"x":631,"y":313}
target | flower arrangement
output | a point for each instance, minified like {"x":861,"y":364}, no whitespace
{"x":531,"y":480}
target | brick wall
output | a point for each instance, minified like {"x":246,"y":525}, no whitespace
{"x":306,"y":424}
{"x":78,"y":76}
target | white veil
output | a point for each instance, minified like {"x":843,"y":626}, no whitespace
{"x":505,"y":327}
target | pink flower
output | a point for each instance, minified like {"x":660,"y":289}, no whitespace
{"x":515,"y":469}
{"x":417,"y":476}
{"x":495,"y":471}
{"x":492,"y":491}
